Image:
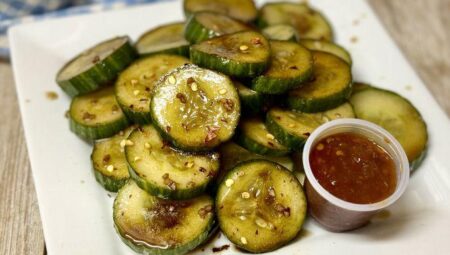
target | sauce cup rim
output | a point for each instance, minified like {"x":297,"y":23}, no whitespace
{"x":400,"y":158}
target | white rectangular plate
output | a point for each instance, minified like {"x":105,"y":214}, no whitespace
{"x":76,"y":211}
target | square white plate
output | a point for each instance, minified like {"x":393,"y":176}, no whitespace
{"x":76,"y":211}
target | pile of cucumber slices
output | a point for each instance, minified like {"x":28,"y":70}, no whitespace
{"x":200,"y":124}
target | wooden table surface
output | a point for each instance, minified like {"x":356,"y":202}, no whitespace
{"x":420,"y":28}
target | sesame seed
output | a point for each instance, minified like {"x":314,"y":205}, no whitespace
{"x":194,"y":86}
{"x":291,"y":125}
{"x":270,"y":136}
{"x":172,"y":80}
{"x":242,"y":217}
{"x":110,"y":168}
{"x":229,"y":182}
{"x":260,"y":222}
{"x":240,"y":173}
{"x":245,"y":195}
{"x":136,"y":92}
{"x":243,"y":240}
{"x":122,"y":143}
{"x":147,"y":145}
{"x":134,"y":82}
{"x":137,"y":158}
{"x":222,"y":91}
{"x":243,"y":47}
{"x":189,"y":164}
{"x":129,"y":143}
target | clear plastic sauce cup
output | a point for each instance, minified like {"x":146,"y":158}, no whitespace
{"x":338,"y":215}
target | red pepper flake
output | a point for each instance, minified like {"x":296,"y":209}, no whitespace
{"x":228,"y":104}
{"x":185,"y":126}
{"x":286,"y":211}
{"x":147,"y":89}
{"x":256,"y":41}
{"x":293,"y":67}
{"x":271,"y":144}
{"x":223,"y":119}
{"x":95,"y":59}
{"x":212,"y":133}
{"x":169,"y":182}
{"x":168,"y":128}
{"x":202,"y":169}
{"x":204,"y":211}
{"x":106,"y":158}
{"x":88,"y":116}
{"x":190,"y":80}
{"x":51,"y":95}
{"x":164,"y":145}
{"x":181,"y":97}
{"x":221,"y":248}
{"x":307,"y":134}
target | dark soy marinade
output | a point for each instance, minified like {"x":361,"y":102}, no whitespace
{"x":353,"y":168}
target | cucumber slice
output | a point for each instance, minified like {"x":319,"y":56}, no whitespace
{"x":243,"y":10}
{"x":398,"y":116}
{"x":291,"y":64}
{"x":195,"y":108}
{"x":260,"y":206}
{"x":280,"y":32}
{"x":135,"y":85}
{"x":96,"y":115}
{"x":293,"y":128}
{"x":243,"y":54}
{"x":331,"y":85}
{"x":96,"y":66}
{"x":150,"y":225}
{"x":167,"y":39}
{"x":164,"y":172}
{"x":205,"y":25}
{"x":254,"y":136}
{"x":109,"y":163}
{"x":252,"y":102}
{"x":308,"y":22}
{"x":327,"y":47}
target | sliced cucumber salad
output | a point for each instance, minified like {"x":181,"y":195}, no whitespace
{"x":308,"y":22}
{"x":164,"y":39}
{"x":205,"y":25}
{"x":242,"y":54}
{"x":96,"y":67}
{"x":109,"y":162}
{"x":165,"y":172}
{"x":96,"y":115}
{"x":150,"y":225}
{"x":135,"y":84}
{"x":204,"y":131}
{"x":260,"y":206}
{"x":195,"y":108}
{"x":330,"y":86}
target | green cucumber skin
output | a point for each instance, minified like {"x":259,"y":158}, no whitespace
{"x":101,"y":74}
{"x":253,"y":104}
{"x":277,"y":86}
{"x":255,"y":147}
{"x":226,"y":66}
{"x":146,"y":250}
{"x":319,"y":104}
{"x":91,"y":133}
{"x":294,"y":143}
{"x":181,"y":51}
{"x":196,"y":32}
{"x":164,"y":192}
{"x":109,"y":183}
{"x":140,"y":118}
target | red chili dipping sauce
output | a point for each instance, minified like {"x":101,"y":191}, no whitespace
{"x":353,"y":168}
